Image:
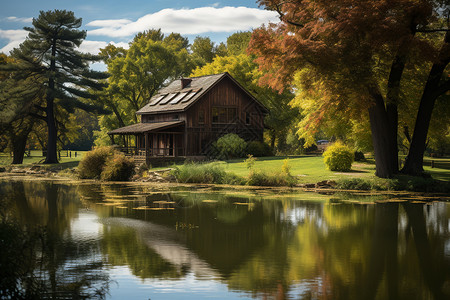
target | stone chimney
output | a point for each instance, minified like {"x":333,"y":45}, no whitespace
{"x":185,"y":82}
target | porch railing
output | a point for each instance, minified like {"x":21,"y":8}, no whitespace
{"x":153,"y":152}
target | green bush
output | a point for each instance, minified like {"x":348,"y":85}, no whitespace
{"x":91,"y":166}
{"x":354,"y":184}
{"x":199,"y":173}
{"x":230,"y":146}
{"x":258,"y":149}
{"x":261,"y":178}
{"x":338,"y":157}
{"x":118,"y":167}
{"x":359,"y":156}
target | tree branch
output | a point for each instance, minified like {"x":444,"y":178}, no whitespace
{"x":40,"y":107}
{"x":282,"y":15}
{"x":34,"y":115}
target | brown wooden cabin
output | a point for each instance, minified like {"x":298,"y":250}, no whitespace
{"x":186,"y":117}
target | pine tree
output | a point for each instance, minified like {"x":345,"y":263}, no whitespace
{"x":50,"y":52}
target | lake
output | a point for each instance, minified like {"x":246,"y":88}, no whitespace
{"x":65,"y":239}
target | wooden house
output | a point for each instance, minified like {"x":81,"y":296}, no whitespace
{"x":186,"y":117}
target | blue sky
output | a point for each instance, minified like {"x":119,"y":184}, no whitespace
{"x":117,"y":21}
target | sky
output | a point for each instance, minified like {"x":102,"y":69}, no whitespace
{"x":117,"y":21}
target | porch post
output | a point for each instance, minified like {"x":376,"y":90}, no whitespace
{"x":147,"y":156}
{"x":111,"y":136}
{"x":174,"y":145}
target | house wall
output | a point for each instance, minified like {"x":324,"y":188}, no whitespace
{"x":248,"y":121}
{"x":163,"y":117}
{"x":225,"y":94}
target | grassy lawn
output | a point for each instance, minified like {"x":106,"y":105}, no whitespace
{"x":36,"y":158}
{"x":306,"y":168}
{"x":312,"y":168}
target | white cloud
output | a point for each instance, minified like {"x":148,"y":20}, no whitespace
{"x":109,"y":23}
{"x":187,"y":21}
{"x":14,"y":37}
{"x":17,"y":19}
{"x":93,"y":47}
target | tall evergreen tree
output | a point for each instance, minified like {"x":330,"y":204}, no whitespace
{"x":50,"y":52}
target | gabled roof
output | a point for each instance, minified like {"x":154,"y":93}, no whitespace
{"x":175,"y":97}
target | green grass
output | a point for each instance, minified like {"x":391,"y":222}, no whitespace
{"x":37,"y":158}
{"x":311,"y":169}
{"x":307,"y":169}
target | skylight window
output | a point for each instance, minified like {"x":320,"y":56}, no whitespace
{"x":179,"y":97}
{"x":168,"y":98}
{"x":190,"y":96}
{"x":156,"y":101}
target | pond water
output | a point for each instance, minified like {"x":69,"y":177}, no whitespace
{"x":119,"y":241}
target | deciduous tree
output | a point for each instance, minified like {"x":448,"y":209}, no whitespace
{"x":358,"y":52}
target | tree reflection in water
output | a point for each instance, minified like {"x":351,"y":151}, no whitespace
{"x":257,"y":243}
{"x":39,"y":257}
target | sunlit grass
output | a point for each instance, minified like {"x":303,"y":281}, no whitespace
{"x":305,"y":168}
{"x":37,"y":158}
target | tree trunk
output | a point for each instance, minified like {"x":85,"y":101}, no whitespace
{"x":18,"y":144}
{"x":18,"y":134}
{"x":433,"y":89}
{"x":52,"y":156}
{"x":386,"y":162}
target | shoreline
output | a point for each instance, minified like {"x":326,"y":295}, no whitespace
{"x":399,"y":196}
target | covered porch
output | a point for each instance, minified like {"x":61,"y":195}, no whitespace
{"x":144,"y":141}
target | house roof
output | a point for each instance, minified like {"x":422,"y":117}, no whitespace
{"x":178,"y":97}
{"x":145,"y":127}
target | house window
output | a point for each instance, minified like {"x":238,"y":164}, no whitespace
{"x":224,"y":115}
{"x":201,"y":116}
{"x":215,"y":115}
{"x":232,"y":114}
{"x":247,"y":118}
{"x":175,"y":117}
{"x":150,"y":119}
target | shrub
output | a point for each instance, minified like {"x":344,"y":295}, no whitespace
{"x":338,"y":157}
{"x":261,"y":178}
{"x":250,"y":161}
{"x":230,"y":146}
{"x":286,"y":168}
{"x":233,"y":179}
{"x":258,"y":149}
{"x":199,"y":173}
{"x":359,"y":156}
{"x":91,"y":166}
{"x":354,"y":184}
{"x":118,"y":167}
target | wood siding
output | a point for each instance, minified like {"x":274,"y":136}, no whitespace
{"x":198,"y":137}
{"x":225,"y":94}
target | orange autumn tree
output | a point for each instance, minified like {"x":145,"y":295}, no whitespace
{"x":356,"y":53}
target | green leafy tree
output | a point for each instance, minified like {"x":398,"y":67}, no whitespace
{"x":204,"y":50}
{"x":137,"y":74}
{"x":49,"y":53}
{"x":20,"y":94}
{"x":237,"y":43}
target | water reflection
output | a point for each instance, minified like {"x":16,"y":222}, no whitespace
{"x":51,"y":263}
{"x":237,"y":242}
